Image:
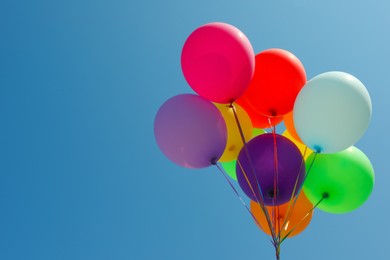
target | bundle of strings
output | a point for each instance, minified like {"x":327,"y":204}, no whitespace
{"x":273,"y":221}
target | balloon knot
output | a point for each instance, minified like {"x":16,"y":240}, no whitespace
{"x":272,"y":194}
{"x":325,"y":195}
{"x":317,"y":148}
{"x":272,"y":113}
{"x":213,"y":161}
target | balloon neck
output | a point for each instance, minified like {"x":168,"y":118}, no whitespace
{"x":317,"y":149}
{"x":213,"y":161}
{"x":272,"y":113}
{"x":325,"y":195}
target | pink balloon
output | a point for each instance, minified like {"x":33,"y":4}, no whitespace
{"x":190,"y":131}
{"x":218,"y":62}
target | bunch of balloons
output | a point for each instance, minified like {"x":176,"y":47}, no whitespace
{"x":313,"y":164}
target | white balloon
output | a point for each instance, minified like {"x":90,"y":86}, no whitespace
{"x":332,"y":112}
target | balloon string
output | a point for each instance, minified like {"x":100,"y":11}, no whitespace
{"x":280,"y":230}
{"x":262,"y":205}
{"x":276,"y":163}
{"x":275,"y":209}
{"x":260,"y":199}
{"x":277,"y":251}
{"x":291,"y":206}
{"x":308,"y":171}
{"x":237,"y":194}
{"x":324,"y":196}
{"x":276,"y":179}
{"x":299,"y":192}
{"x":246,"y":178}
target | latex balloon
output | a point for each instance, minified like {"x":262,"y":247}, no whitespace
{"x":332,"y":112}
{"x":305,"y":151}
{"x":258,"y":131}
{"x":282,"y":169}
{"x":218,"y":62}
{"x":289,"y":123}
{"x":287,"y":219}
{"x":259,"y":120}
{"x":234,"y":140}
{"x":230,"y":169}
{"x":345,"y":178}
{"x":276,"y":82}
{"x":190,"y":131}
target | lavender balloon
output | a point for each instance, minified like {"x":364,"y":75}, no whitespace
{"x":261,"y":151}
{"x":190,"y":131}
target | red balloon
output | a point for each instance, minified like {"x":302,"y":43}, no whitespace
{"x":278,"y":78}
{"x":258,"y":120}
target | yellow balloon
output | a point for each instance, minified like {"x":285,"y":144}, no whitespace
{"x":300,"y":145}
{"x":234,"y":140}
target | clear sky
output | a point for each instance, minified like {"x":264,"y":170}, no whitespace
{"x":81,"y":176}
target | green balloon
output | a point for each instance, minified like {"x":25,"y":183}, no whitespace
{"x":345,"y":180}
{"x":230,"y":169}
{"x":258,"y":131}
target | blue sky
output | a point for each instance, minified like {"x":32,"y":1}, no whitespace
{"x":81,"y":176}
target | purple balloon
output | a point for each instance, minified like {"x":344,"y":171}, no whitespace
{"x":290,"y":167}
{"x":190,"y":131}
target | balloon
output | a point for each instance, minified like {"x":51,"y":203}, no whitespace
{"x":218,"y":62}
{"x":230,"y":169}
{"x":332,"y":112}
{"x":258,"y":131}
{"x":290,"y":169}
{"x":298,"y":216}
{"x":277,"y":80}
{"x":345,"y":178}
{"x":289,"y":123}
{"x":259,"y":120}
{"x":234,"y":140}
{"x":300,"y":146}
{"x":190,"y":131}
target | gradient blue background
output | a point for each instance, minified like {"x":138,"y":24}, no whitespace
{"x":80,"y":174}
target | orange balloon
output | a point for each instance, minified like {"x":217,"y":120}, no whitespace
{"x":299,"y":216}
{"x":258,"y":120}
{"x":289,"y":123}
